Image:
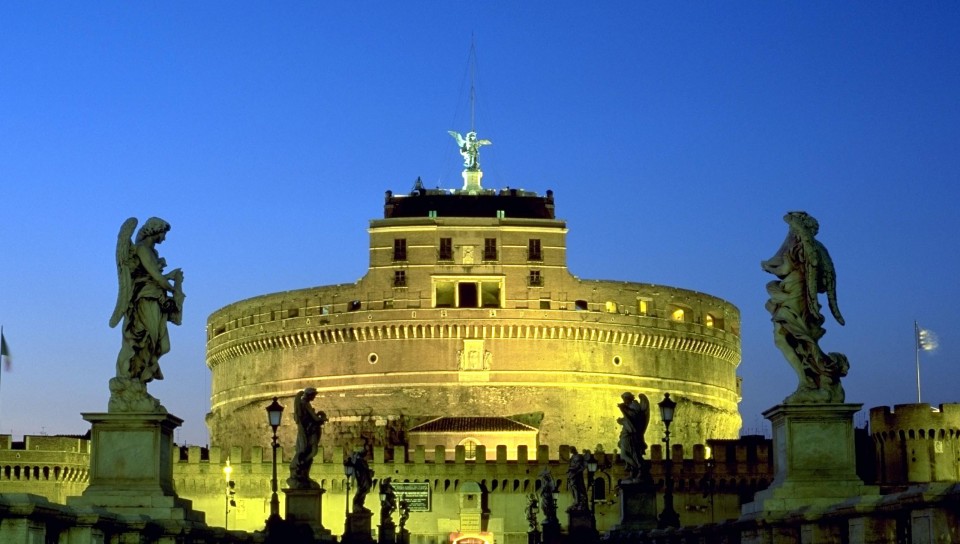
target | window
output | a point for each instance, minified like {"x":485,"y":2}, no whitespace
{"x":536,"y":280}
{"x":446,"y":249}
{"x":353,"y":306}
{"x":533,"y":250}
{"x":399,"y":278}
{"x":490,"y":249}
{"x":473,"y":292}
{"x":708,"y":321}
{"x":399,"y":249}
{"x":469,"y":447}
{"x":677,"y":314}
{"x":580,"y":305}
{"x":643,"y":306}
{"x":611,"y":307}
{"x":544,"y":303}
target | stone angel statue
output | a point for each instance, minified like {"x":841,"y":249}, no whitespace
{"x":636,"y":418}
{"x":804,"y":270}
{"x":147,"y":299}
{"x":469,"y":148}
{"x":309,"y":430}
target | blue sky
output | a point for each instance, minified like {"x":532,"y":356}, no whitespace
{"x":674,"y":135}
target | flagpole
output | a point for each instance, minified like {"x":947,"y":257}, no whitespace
{"x":916,"y":341}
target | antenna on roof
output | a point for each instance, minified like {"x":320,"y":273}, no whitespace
{"x":473,"y":92}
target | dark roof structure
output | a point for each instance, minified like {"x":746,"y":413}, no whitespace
{"x":472,"y":425}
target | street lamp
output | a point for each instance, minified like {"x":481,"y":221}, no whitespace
{"x":274,"y":412}
{"x":669,"y":517}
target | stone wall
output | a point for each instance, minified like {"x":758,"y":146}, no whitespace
{"x":381,"y":370}
{"x":916,"y":443}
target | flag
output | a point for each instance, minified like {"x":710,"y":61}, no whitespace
{"x":927,"y":340}
{"x":5,"y":352}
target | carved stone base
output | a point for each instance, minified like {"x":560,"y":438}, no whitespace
{"x":551,"y":532}
{"x":131,"y":467}
{"x":638,"y":507}
{"x":305,"y":507}
{"x":358,"y":527}
{"x":580,"y":525}
{"x":387,"y":533}
{"x":814,"y":458}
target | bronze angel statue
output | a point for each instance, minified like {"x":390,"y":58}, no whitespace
{"x":804,"y":270}
{"x":469,"y":148}
{"x":147,"y":299}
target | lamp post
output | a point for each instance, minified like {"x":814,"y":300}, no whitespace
{"x":669,"y":517}
{"x":592,"y":467}
{"x":348,"y":472}
{"x":274,"y":412}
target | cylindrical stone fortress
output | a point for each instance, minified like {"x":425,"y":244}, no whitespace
{"x":468,"y":310}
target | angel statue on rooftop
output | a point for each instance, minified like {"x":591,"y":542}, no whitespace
{"x":147,"y":299}
{"x":469,"y":148}
{"x":804,"y":269}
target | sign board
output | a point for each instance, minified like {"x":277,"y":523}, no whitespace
{"x":417,"y":495}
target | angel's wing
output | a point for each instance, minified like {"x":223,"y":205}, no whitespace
{"x":123,"y":270}
{"x":457,"y":137}
{"x":644,"y":417}
{"x":484,"y":142}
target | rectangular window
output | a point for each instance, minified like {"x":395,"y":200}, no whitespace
{"x":399,"y":249}
{"x":399,"y":278}
{"x":533,"y":250}
{"x":490,"y":249}
{"x":446,"y":249}
{"x":544,"y":303}
{"x":536,"y":280}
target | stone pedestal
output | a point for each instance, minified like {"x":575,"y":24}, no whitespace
{"x":358,"y":527}
{"x":387,"y":533}
{"x":403,"y":537}
{"x":131,"y":467}
{"x":580,"y":525}
{"x":471,"y":181}
{"x":814,"y":458}
{"x":638,"y":507}
{"x":305,"y":507}
{"x":551,"y":532}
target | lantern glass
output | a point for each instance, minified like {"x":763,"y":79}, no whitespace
{"x":274,"y":413}
{"x":667,"y":407}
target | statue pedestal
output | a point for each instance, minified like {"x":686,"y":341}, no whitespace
{"x":358,"y":527}
{"x":638,"y":507}
{"x":387,"y":533}
{"x":131,"y":467}
{"x":471,"y":181}
{"x":305,"y":507}
{"x":814,"y":458}
{"x":551,"y":532}
{"x":580,"y":525}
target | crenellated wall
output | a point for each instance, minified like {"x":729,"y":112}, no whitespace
{"x":916,"y":443}
{"x":55,"y":467}
{"x":708,"y":489}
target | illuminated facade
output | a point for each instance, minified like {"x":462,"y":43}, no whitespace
{"x":468,"y":310}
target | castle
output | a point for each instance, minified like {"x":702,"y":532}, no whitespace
{"x":469,"y":329}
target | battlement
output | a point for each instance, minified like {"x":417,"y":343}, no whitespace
{"x":915,"y":421}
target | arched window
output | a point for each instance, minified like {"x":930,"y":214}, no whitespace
{"x":469,"y":447}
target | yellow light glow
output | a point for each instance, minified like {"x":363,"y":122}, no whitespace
{"x":677,"y":314}
{"x":227,"y":470}
{"x":709,"y":321}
